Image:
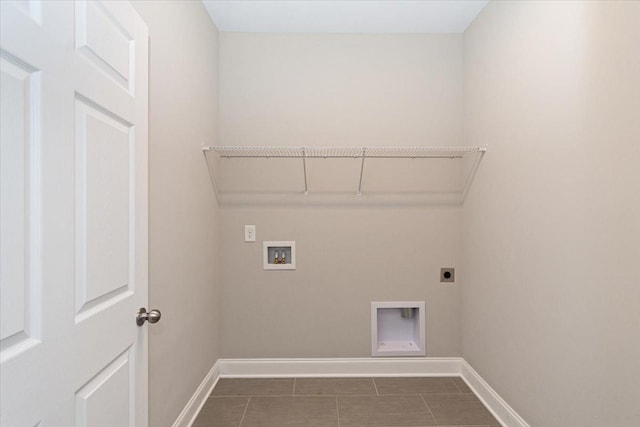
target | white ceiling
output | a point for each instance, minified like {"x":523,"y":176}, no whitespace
{"x":339,"y":16}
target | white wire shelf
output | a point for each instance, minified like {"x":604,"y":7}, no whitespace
{"x":362,"y":153}
{"x":344,"y":152}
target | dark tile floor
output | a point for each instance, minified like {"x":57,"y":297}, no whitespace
{"x":343,"y":402}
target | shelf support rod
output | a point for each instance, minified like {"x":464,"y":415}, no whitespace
{"x":364,"y":152}
{"x":304,"y":167}
{"x":212,"y":174}
{"x":472,"y":173}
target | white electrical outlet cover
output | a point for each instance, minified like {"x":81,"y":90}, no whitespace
{"x":249,"y":233}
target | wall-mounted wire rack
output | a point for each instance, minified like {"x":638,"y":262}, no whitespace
{"x":363,"y":153}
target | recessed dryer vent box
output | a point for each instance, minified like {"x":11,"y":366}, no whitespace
{"x":398,"y":328}
{"x":279,"y":255}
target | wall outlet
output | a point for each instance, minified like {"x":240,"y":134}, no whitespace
{"x":249,"y":233}
{"x":448,"y":274}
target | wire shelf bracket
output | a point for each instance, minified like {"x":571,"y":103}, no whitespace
{"x":363,"y":153}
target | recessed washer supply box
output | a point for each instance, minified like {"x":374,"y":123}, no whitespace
{"x":398,"y":328}
{"x":279,"y":255}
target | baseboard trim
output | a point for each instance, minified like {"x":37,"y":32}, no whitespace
{"x":199,"y":398}
{"x":351,"y":367}
{"x":492,"y":400}
{"x":354,"y":367}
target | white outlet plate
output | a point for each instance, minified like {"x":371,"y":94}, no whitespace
{"x":249,"y":233}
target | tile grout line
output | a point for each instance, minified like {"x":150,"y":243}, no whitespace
{"x":254,"y":395}
{"x":293,"y":393}
{"x":245,"y":411}
{"x":339,"y":395}
{"x":456,"y":386}
{"x":429,"y":409}
{"x":338,"y":411}
{"x":330,"y":395}
{"x":375,"y":386}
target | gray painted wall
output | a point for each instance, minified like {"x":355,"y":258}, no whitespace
{"x":333,"y":90}
{"x":551,"y":272}
{"x":183,"y":232}
{"x":546,"y":246}
{"x":346,"y":258}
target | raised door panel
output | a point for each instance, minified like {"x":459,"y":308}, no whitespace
{"x":104,"y":159}
{"x":20,"y":193}
{"x":105,"y":400}
{"x":105,"y":41}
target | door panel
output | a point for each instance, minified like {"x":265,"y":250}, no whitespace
{"x":105,"y":399}
{"x":106,"y":41}
{"x":19,"y":213}
{"x":104,"y":189}
{"x":73,"y":237}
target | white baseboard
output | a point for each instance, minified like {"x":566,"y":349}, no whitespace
{"x":355,"y":367}
{"x":500,"y":409}
{"x":199,"y":398}
{"x":351,"y":367}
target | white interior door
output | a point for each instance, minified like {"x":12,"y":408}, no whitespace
{"x":73,"y":208}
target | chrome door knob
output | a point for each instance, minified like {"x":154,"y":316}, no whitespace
{"x":153,"y":316}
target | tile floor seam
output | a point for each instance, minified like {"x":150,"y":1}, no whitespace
{"x":415,"y":393}
{"x":330,"y":395}
{"x":333,"y":395}
{"x":429,"y":409}
{"x":293,"y":393}
{"x":338,"y":411}
{"x":456,"y":386}
{"x":375,"y":386}
{"x":245,"y":411}
{"x":250,"y":395}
